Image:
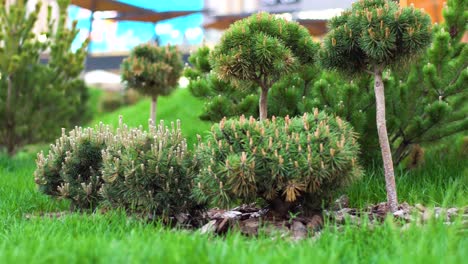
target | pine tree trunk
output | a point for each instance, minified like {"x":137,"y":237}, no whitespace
{"x":9,"y":119}
{"x":154,"y":102}
{"x":383,"y":139}
{"x":263,"y":103}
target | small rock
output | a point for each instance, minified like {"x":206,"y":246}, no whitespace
{"x":232,"y":214}
{"x":342,"y":214}
{"x":276,"y":229}
{"x":181,"y":218}
{"x":355,"y":220}
{"x":315,"y":223}
{"x":249,"y":227}
{"x":402,"y":214}
{"x":399,"y":213}
{"x":223,"y":225}
{"x":209,"y":228}
{"x":259,"y":213}
{"x":437,"y":212}
{"x":379,"y":211}
{"x":405,"y":207}
{"x":341,"y":202}
{"x":215,"y":213}
{"x":420,"y":207}
{"x":452,"y":213}
{"x":299,"y":231}
{"x":426,"y":216}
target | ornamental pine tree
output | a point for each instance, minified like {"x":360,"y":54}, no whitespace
{"x":425,"y":102}
{"x":37,"y":99}
{"x":369,"y":37}
{"x":260,"y":50}
{"x":153,"y":71}
{"x":291,"y":95}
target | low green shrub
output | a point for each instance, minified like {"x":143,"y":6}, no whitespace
{"x":131,"y":97}
{"x":285,"y":162}
{"x":111,"y":101}
{"x":71,"y":169}
{"x":149,"y":171}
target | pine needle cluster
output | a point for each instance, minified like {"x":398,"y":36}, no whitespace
{"x":71,"y":169}
{"x":139,"y":171}
{"x":298,"y":161}
{"x":153,"y":70}
{"x":375,"y":32}
{"x":222,"y":98}
{"x":149,"y":172}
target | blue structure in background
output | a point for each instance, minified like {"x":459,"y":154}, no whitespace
{"x":109,"y":36}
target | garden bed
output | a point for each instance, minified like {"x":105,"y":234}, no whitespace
{"x":253,"y":221}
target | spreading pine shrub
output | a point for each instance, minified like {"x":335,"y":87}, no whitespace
{"x":71,"y":170}
{"x":149,"y":171}
{"x":286,"y":162}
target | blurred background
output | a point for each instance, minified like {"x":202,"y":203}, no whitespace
{"x":115,"y":27}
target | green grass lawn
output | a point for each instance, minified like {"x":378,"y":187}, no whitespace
{"x":179,"y":105}
{"x":116,"y":238}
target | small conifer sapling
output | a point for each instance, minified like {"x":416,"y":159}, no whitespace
{"x":153,"y":71}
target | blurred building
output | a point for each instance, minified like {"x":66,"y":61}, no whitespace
{"x":312,"y":14}
{"x":432,"y":7}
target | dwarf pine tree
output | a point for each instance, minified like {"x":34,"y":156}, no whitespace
{"x":37,"y":99}
{"x":262,"y":49}
{"x":291,"y":95}
{"x":425,"y":101}
{"x":153,"y":71}
{"x":373,"y":35}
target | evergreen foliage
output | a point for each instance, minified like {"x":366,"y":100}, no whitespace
{"x":72,"y":168}
{"x":140,"y":171}
{"x":410,"y":94}
{"x":375,"y":33}
{"x":149,"y":172}
{"x":430,"y":101}
{"x":37,"y":99}
{"x":152,"y":70}
{"x":260,"y":50}
{"x":371,"y":36}
{"x":222,"y":98}
{"x":286,"y":162}
{"x":425,"y":101}
{"x":291,"y":95}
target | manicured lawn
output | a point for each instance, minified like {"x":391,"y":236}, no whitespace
{"x":117,"y":238}
{"x":179,"y":105}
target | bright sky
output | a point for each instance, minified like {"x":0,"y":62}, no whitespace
{"x":112,"y":36}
